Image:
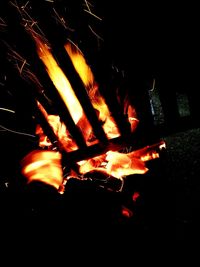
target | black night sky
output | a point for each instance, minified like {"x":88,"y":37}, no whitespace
{"x":128,"y":46}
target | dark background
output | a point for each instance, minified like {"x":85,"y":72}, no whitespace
{"x":136,"y":43}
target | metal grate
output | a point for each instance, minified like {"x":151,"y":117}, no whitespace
{"x":84,"y":151}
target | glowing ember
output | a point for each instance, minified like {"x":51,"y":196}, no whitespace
{"x":135,"y":196}
{"x":59,"y":129}
{"x":126,"y":212}
{"x":119,"y":164}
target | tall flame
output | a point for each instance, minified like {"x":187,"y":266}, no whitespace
{"x":80,"y":65}
{"x":60,"y":81}
{"x":88,"y":80}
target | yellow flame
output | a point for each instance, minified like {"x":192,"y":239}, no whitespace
{"x":80,"y":64}
{"x":88,"y":80}
{"x":119,"y":164}
{"x":114,"y":163}
{"x":60,"y":81}
{"x":43,"y":166}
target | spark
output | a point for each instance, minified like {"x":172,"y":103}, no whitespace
{"x":23,"y":7}
{"x":24,"y":71}
{"x":16,"y":55}
{"x":19,"y":60}
{"x":61,"y":20}
{"x":21,"y":69}
{"x":8,"y":110}
{"x":75,"y":45}
{"x":16,"y":132}
{"x":2,"y":23}
{"x":92,"y":14}
{"x":88,"y":5}
{"x":29,"y":21}
{"x":153,"y":85}
{"x":122,"y":185}
{"x":88,"y":10}
{"x":32,"y":77}
{"x":98,"y":37}
{"x":33,"y":23}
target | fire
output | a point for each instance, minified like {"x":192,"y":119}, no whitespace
{"x":112,"y":163}
{"x":64,"y":88}
{"x":97,"y":100}
{"x":60,"y":81}
{"x":80,"y":65}
{"x":66,"y":92}
{"x":44,"y":166}
{"x":59,"y":129}
{"x":120,"y":165}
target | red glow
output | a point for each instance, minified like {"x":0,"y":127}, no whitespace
{"x":135,"y":196}
{"x":126,"y":212}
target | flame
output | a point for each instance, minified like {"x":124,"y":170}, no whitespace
{"x":80,"y":64}
{"x":88,"y":80}
{"x":64,"y":88}
{"x":120,"y":165}
{"x":112,"y":163}
{"x":43,"y":166}
{"x":115,"y":164}
{"x":59,"y":129}
{"x":60,"y":81}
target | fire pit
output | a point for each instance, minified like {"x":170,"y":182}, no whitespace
{"x":91,"y":129}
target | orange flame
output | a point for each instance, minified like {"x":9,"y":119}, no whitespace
{"x":43,"y":166}
{"x":88,"y":80}
{"x":119,"y":164}
{"x":60,"y":81}
{"x":59,"y":129}
{"x":80,"y":65}
{"x":64,"y":88}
